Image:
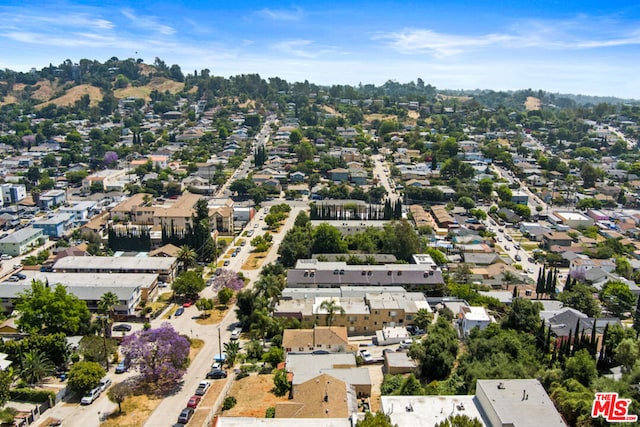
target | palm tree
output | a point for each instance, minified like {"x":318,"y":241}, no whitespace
{"x":269,"y":287}
{"x":35,"y":366}
{"x":186,"y":256}
{"x":106,"y":307}
{"x":508,"y":278}
{"x":261,"y":322}
{"x":331,"y":307}
{"x":231,"y":348}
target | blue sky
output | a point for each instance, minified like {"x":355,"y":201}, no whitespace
{"x":584,"y":47}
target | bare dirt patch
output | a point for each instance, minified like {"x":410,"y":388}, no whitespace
{"x":161,"y":84}
{"x":254,"y":261}
{"x":74,"y":94}
{"x":330,"y":110}
{"x":459,"y":98}
{"x":371,"y":117}
{"x":9,"y":99}
{"x":413,"y":114}
{"x":532,"y":103}
{"x":254,"y":396}
{"x":44,"y":92}
{"x":135,"y":410}
{"x":215,"y":316}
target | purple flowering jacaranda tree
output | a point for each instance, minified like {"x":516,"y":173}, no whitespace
{"x":161,"y":355}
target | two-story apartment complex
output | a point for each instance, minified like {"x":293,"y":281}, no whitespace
{"x":360,"y":315}
{"x":311,"y":273}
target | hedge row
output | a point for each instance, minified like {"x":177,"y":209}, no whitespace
{"x":30,"y":395}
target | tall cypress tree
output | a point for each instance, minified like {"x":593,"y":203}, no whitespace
{"x":540,"y":284}
{"x":636,"y":318}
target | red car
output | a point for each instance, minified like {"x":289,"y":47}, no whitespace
{"x":187,"y":304}
{"x":194,"y":401}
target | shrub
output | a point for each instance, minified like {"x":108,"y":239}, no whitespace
{"x":30,"y":395}
{"x":229,"y":402}
{"x":270,"y":412}
{"x":242,"y":375}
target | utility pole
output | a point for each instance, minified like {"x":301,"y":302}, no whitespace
{"x":220,"y":347}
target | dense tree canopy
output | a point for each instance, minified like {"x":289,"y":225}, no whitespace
{"x":52,"y":310}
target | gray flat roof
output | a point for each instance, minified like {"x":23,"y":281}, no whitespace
{"x":506,"y":399}
{"x":21,"y":235}
{"x":86,"y":286}
{"x":114,"y":263}
{"x":282,"y":422}
{"x":410,"y":411}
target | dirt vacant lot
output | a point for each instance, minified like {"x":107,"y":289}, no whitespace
{"x":254,"y":396}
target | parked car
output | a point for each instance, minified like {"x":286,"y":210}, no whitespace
{"x":243,"y":243}
{"x":202,"y":388}
{"x":235,"y":334}
{"x":530,"y":270}
{"x":194,"y":401}
{"x":406,"y":343}
{"x":518,"y":257}
{"x":122,"y":327}
{"x":216,"y":365}
{"x":5,"y":257}
{"x":90,"y":397}
{"x":226,"y":263}
{"x":17,"y":266}
{"x":123,"y":366}
{"x":104,"y":383}
{"x":20,"y":276}
{"x":368,"y":358}
{"x":185,"y":415}
{"x":187,"y":304}
{"x":216,"y":374}
{"x":179,"y":312}
{"x":233,"y":254}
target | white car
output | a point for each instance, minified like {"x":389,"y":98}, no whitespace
{"x":91,"y":396}
{"x":235,"y":335}
{"x":366,"y":356}
{"x":406,"y":343}
{"x":104,"y":384}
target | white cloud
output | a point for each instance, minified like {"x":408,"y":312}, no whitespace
{"x":439,"y":44}
{"x":296,"y":47}
{"x":282,"y":14}
{"x":148,"y":23}
{"x":574,"y":34}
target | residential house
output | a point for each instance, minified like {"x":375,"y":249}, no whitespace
{"x":330,"y":338}
{"x":342,"y":366}
{"x":358,"y":176}
{"x":81,"y":211}
{"x":556,"y":238}
{"x":56,"y":226}
{"x":339,"y":175}
{"x":52,"y":198}
{"x":399,"y":363}
{"x":320,"y":397}
{"x":297,"y":176}
{"x":473,"y":317}
{"x":13,"y":193}
{"x":578,"y":267}
{"x":520,"y":197}
{"x":137,"y":209}
{"x":572,"y":219}
{"x":108,"y":180}
{"x":22,"y":241}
